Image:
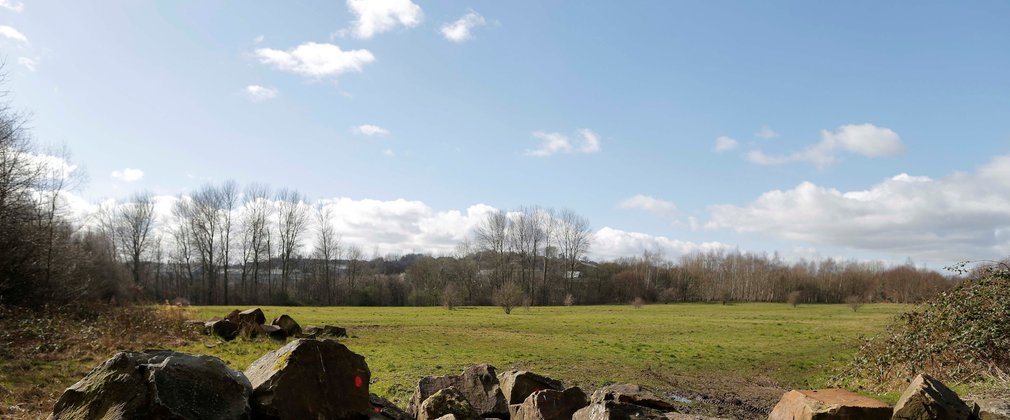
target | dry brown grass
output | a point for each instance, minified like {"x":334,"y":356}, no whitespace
{"x":43,"y":352}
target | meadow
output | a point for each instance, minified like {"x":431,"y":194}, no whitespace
{"x":748,"y":351}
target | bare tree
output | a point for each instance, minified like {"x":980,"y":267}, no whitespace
{"x":227,"y":198}
{"x":574,"y":240}
{"x":134,"y":225}
{"x":292,"y":221}
{"x":492,"y":235}
{"x":255,"y":235}
{"x":327,"y":248}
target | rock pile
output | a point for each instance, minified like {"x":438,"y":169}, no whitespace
{"x":251,"y":323}
{"x":323,"y":379}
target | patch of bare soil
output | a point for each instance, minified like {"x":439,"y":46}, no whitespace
{"x":720,"y":395}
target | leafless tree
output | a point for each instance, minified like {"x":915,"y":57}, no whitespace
{"x":327,"y":248}
{"x":492,"y":235}
{"x":292,"y":221}
{"x":227,"y":198}
{"x":574,"y":236}
{"x":134,"y":226}
{"x":255,"y":230}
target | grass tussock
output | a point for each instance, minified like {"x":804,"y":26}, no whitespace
{"x":42,"y":352}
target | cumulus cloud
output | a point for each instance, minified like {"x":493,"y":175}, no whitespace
{"x":128,"y":174}
{"x":766,"y":133}
{"x":13,"y":6}
{"x":257,"y":93}
{"x":460,"y":30}
{"x":316,"y":60}
{"x":863,"y":139}
{"x":649,"y":204}
{"x":725,"y":144}
{"x":370,"y":130}
{"x":11,"y":33}
{"x":958,"y":216}
{"x":553,"y":143}
{"x":377,"y":16}
{"x":610,"y":243}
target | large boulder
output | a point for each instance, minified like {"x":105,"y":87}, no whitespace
{"x":991,"y":409}
{"x":157,"y":385}
{"x":383,"y":409}
{"x":448,"y":401}
{"x":315,"y":331}
{"x":288,"y":324}
{"x":225,"y":329}
{"x":274,"y":332}
{"x":927,"y":398}
{"x":478,"y":384}
{"x":519,"y":384}
{"x":550,"y":404}
{"x":232,"y":316}
{"x":310,"y":379}
{"x":616,"y":410}
{"x":251,"y":316}
{"x":623,"y":402}
{"x":632,"y":394}
{"x":824,"y":404}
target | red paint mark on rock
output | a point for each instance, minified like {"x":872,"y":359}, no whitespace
{"x":358,"y":382}
{"x":377,"y":409}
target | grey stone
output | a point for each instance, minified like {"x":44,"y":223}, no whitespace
{"x":157,"y":385}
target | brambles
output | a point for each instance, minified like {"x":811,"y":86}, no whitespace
{"x":962,"y":335}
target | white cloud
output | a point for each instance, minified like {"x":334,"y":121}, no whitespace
{"x":128,"y":174}
{"x":459,"y":30}
{"x":610,"y":243}
{"x":316,"y":60}
{"x":257,"y":93}
{"x":959,"y":216}
{"x":28,"y":63}
{"x":863,"y":139}
{"x":11,"y":33}
{"x":552,"y":143}
{"x":766,"y":133}
{"x":369,"y":130}
{"x":388,"y":152}
{"x":378,"y":16}
{"x":258,"y":39}
{"x":725,"y":144}
{"x":10,"y":5}
{"x":649,"y":204}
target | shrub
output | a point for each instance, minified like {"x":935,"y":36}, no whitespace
{"x":962,"y":335}
{"x":637,"y":303}
{"x":794,"y":298}
{"x":854,"y":302}
{"x":508,"y":296}
{"x":569,"y":300}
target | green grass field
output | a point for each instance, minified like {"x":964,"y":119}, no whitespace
{"x":659,"y":345}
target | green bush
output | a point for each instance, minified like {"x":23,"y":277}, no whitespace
{"x":962,"y":335}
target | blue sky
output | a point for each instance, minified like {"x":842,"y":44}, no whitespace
{"x":828,"y":104}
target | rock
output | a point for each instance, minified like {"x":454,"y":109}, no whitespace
{"x":514,"y":411}
{"x":681,"y":416}
{"x":519,"y":384}
{"x":992,"y":409}
{"x":448,"y":401}
{"x":288,"y":324}
{"x":313,"y":331}
{"x":632,"y":394}
{"x":224,"y":328}
{"x":616,"y":410}
{"x":448,"y":417}
{"x":158,"y":385}
{"x":274,"y":332}
{"x":232,"y":316}
{"x":383,"y":409}
{"x":828,"y":404}
{"x":478,"y":384}
{"x":550,"y":404}
{"x":251,"y":330}
{"x":310,"y":379}
{"x":251,"y":316}
{"x":927,"y":398}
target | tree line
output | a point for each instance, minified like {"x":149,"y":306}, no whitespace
{"x":225,"y":244}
